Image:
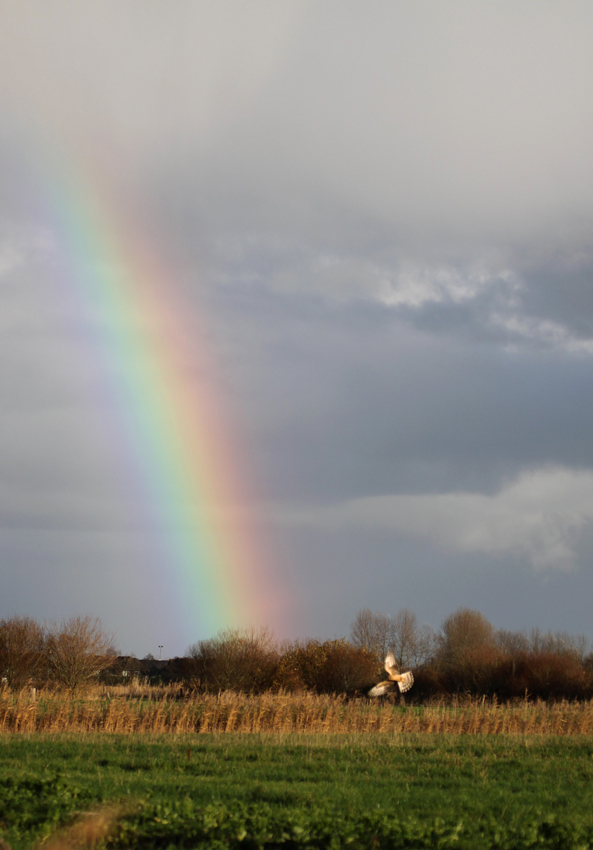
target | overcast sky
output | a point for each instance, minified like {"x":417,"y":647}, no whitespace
{"x":384,"y":213}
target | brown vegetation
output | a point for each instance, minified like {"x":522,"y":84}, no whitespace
{"x":330,"y":667}
{"x":143,"y":709}
{"x":70,"y":654}
{"x":252,"y":662}
{"x":467,"y":657}
{"x":77,"y":650}
{"x":400,"y":635}
{"x":22,"y":643}
{"x":469,"y":679}
{"x":240,"y":660}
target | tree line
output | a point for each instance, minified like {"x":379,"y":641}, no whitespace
{"x":465,"y":656}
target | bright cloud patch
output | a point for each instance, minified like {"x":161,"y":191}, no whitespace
{"x":539,"y":515}
{"x":543,"y":332}
{"x":414,"y":286}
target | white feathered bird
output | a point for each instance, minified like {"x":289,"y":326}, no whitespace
{"x":404,"y":681}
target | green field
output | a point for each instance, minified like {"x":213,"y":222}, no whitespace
{"x":314,"y":791}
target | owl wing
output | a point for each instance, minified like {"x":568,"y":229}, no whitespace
{"x":381,"y":689}
{"x":405,"y":682}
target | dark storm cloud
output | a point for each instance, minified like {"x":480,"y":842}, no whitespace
{"x":563,"y":293}
{"x":353,"y":401}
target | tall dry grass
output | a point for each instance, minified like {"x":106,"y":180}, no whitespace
{"x":164,"y":710}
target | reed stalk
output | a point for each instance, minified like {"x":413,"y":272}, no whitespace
{"x":166,"y":710}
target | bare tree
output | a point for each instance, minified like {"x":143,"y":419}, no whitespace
{"x":511,"y":643}
{"x":410,"y":644}
{"x":372,"y":632}
{"x":21,"y":650}
{"x":404,"y":636}
{"x":77,"y":650}
{"x":558,"y":643}
{"x":426,"y":645}
{"x":362,"y":630}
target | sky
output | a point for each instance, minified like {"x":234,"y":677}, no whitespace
{"x":377,"y":219}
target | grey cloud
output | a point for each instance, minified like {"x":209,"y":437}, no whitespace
{"x":355,"y":401}
{"x":541,"y":515}
{"x":384,"y":214}
{"x":447,"y":129}
{"x":563,"y":293}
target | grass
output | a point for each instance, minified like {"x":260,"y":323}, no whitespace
{"x":164,"y":710}
{"x":324,"y":790}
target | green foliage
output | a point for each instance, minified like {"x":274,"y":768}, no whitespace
{"x":318,"y":792}
{"x":261,"y":825}
{"x":35,"y":806}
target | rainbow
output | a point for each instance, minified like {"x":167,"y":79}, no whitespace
{"x":187,"y":456}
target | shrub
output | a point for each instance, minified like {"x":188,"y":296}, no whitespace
{"x":462,"y":633}
{"x":551,"y":676}
{"x":330,"y":667}
{"x":236,"y":659}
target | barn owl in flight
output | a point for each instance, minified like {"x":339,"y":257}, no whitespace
{"x":404,"y":680}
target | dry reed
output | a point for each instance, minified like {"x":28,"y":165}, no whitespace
{"x":165,"y":710}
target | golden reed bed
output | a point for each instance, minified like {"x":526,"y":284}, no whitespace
{"x":162,"y":711}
